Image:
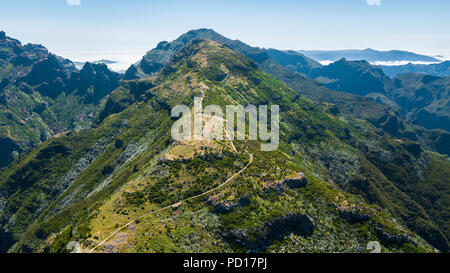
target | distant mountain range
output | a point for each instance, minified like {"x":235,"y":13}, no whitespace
{"x":387,"y":60}
{"x":79,"y":65}
{"x":368,"y":54}
{"x":355,"y":79}
{"x":334,"y":184}
{"x":359,"y":78}
{"x":420,"y":99}
{"x":354,"y":164}
{"x":428,"y":107}
{"x":439,"y":69}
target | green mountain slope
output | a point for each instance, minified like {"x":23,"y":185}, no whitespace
{"x":423,"y":99}
{"x":334,"y":184}
{"x":42,"y":94}
{"x":382,"y":115}
{"x":420,"y":99}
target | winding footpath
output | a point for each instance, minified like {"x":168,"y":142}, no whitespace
{"x":175,"y":204}
{"x":182,"y":201}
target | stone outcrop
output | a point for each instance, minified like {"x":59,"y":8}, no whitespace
{"x":354,"y":215}
{"x":131,"y":73}
{"x":298,"y":181}
{"x":260,"y":239}
{"x":225,"y":207}
{"x":94,"y":81}
{"x":388,"y":239}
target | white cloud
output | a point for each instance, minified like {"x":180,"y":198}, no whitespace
{"x":73,"y":2}
{"x":373,"y":2}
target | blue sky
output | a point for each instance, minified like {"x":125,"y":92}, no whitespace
{"x":138,"y":25}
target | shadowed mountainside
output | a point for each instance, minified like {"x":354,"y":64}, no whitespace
{"x":420,"y":99}
{"x":42,"y":95}
{"x":381,"y":115}
{"x":439,"y":69}
{"x":334,"y":183}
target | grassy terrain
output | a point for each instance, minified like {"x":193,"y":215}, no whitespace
{"x":128,"y":166}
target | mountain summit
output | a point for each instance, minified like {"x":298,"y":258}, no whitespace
{"x":381,"y":112}
{"x":126,"y":186}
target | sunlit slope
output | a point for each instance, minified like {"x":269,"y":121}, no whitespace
{"x":128,"y":186}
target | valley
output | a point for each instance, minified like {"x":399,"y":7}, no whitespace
{"x":349,"y":169}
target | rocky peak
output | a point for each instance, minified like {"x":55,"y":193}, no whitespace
{"x":131,"y":73}
{"x":156,"y":58}
{"x":164,"y":45}
{"x":45,"y":70}
{"x":94,"y":80}
{"x":209,"y":55}
{"x":35,"y":51}
{"x":357,"y":77}
{"x":11,"y":45}
{"x":88,"y":69}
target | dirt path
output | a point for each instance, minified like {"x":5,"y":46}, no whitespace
{"x":175,"y":204}
{"x":182,"y":201}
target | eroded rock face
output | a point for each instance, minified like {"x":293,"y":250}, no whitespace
{"x":8,"y":147}
{"x":68,"y":97}
{"x":387,"y":238}
{"x":224,"y":207}
{"x":276,"y":187}
{"x":298,"y":181}
{"x":276,"y":229}
{"x":94,"y":80}
{"x":6,"y":240}
{"x":354,"y":216}
{"x":131,"y":73}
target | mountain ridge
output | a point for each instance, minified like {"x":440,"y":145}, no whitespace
{"x":440,"y":69}
{"x":382,"y":115}
{"x":128,"y":166}
{"x":368,"y":54}
{"x":42,"y":94}
{"x":427,"y":95}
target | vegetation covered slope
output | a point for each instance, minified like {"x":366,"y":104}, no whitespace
{"x":334,"y":184}
{"x":420,"y":99}
{"x":423,"y":99}
{"x":381,"y":115}
{"x":42,"y":94}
